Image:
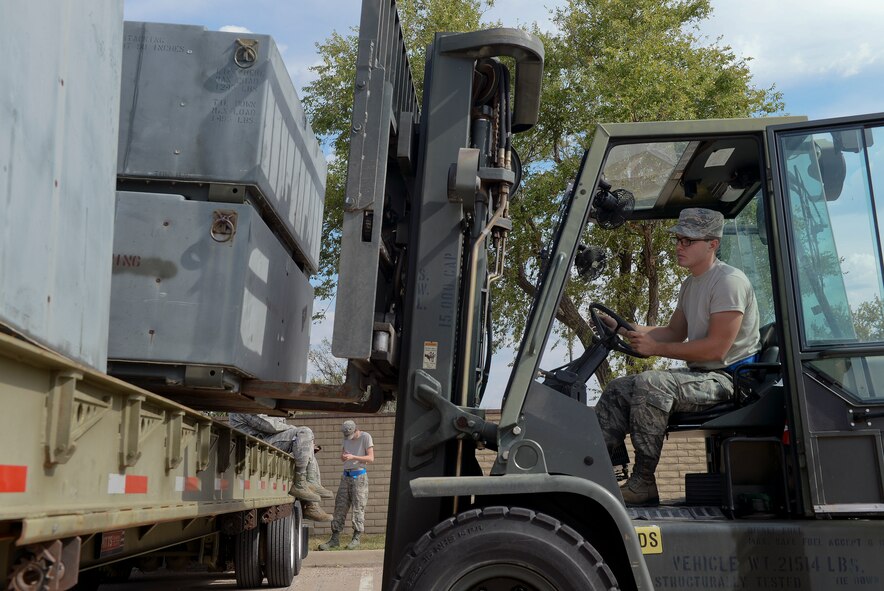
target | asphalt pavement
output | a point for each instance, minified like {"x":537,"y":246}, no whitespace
{"x":350,"y":570}
{"x":347,"y":570}
{"x":352,"y":558}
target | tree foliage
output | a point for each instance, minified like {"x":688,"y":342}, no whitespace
{"x":327,"y":369}
{"x":618,"y":61}
{"x":606,"y":61}
{"x":868,"y":320}
{"x":328,"y":101}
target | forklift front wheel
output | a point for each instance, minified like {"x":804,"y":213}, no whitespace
{"x":502,"y":548}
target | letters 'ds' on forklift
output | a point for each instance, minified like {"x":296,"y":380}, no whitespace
{"x":793,"y":497}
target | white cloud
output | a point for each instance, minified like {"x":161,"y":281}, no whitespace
{"x":298,"y":67}
{"x":792,"y":41}
{"x":234,"y":29}
{"x":860,"y":278}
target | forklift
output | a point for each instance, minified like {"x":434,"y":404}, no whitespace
{"x":793,"y":495}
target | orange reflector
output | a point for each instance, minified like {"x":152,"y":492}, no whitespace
{"x":13,"y":479}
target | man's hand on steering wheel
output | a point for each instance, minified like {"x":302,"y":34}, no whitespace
{"x":608,"y":325}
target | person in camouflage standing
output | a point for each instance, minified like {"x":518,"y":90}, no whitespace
{"x":297,"y":441}
{"x":357,"y":453}
{"x":714,"y":329}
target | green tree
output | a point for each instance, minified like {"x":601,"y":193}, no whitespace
{"x":868,"y":320}
{"x":606,"y":61}
{"x":617,"y":61}
{"x":329,"y":370}
{"x":328,"y":101}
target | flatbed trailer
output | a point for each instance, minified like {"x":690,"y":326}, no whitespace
{"x":95,"y":471}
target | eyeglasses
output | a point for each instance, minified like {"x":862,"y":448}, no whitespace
{"x":686,"y":242}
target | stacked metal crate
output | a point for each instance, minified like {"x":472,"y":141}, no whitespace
{"x":219,"y":211}
{"x":58,"y":124}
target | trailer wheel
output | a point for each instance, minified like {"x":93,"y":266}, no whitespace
{"x":283,"y":549}
{"x":300,"y":533}
{"x":246,"y":559}
{"x":498,"y":548}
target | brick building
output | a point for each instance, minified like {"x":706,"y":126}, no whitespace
{"x":680,"y":456}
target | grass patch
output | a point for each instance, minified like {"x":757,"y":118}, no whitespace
{"x":372,"y":542}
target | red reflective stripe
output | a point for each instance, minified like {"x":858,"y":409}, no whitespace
{"x":248,"y":484}
{"x":190,"y":483}
{"x":13,"y":479}
{"x":136,"y":484}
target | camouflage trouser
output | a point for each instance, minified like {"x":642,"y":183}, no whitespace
{"x":297,"y":441}
{"x":640,"y":405}
{"x":352,"y":492}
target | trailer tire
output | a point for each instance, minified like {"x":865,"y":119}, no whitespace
{"x":247,"y":559}
{"x":509,"y":546}
{"x":300,"y":532}
{"x":283,"y":549}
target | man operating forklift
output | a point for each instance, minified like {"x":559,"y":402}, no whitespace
{"x":714,"y":329}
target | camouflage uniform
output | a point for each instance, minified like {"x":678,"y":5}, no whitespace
{"x":297,"y":441}
{"x":640,"y":405}
{"x":352,"y":493}
{"x":353,"y":489}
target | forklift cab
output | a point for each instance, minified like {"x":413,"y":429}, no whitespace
{"x":800,"y":445}
{"x":801,"y":221}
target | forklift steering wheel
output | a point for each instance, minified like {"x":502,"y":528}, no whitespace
{"x":608,"y":335}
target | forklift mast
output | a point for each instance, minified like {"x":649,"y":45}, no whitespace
{"x":426,"y":220}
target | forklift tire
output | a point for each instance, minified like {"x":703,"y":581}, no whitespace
{"x":247,"y":560}
{"x":502,"y":547}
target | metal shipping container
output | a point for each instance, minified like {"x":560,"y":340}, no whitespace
{"x":206,"y":284}
{"x":216,"y":107}
{"x":59,"y":117}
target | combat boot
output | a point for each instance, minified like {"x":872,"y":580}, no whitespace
{"x":354,"y":543}
{"x":641,"y":488}
{"x":333,"y":542}
{"x":638,"y":492}
{"x":301,"y":491}
{"x":314,"y":512}
{"x":314,"y":484}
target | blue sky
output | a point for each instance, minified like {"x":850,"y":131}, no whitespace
{"x":826,"y":57}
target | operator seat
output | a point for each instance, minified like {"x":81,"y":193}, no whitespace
{"x":752,"y":382}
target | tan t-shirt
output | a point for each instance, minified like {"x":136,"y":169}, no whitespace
{"x":720,"y":289}
{"x":357,"y":447}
